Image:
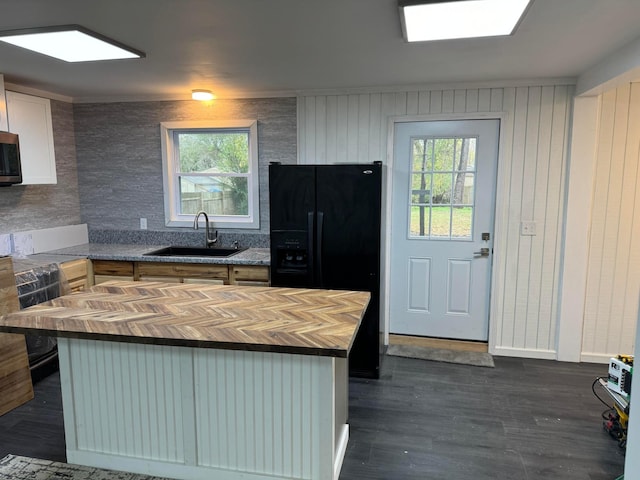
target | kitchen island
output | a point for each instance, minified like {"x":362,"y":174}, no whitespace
{"x":203,"y":381}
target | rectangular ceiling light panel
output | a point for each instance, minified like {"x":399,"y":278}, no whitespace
{"x":441,"y":20}
{"x":70,"y":43}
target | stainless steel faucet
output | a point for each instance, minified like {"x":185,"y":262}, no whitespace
{"x":209,"y":242}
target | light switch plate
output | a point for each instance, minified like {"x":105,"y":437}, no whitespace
{"x":143,"y":223}
{"x":528,"y":228}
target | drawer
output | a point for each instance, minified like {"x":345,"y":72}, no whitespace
{"x":189,"y":270}
{"x":250,"y":273}
{"x":112,"y":267}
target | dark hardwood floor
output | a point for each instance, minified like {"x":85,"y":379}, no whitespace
{"x":524,"y":420}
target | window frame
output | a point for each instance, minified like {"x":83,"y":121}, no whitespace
{"x":170,"y":175}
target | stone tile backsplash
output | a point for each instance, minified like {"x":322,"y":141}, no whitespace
{"x":31,"y":207}
{"x":119,"y":154}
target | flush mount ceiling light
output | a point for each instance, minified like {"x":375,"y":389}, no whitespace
{"x":200,"y":94}
{"x":426,"y":20}
{"x":71,"y":43}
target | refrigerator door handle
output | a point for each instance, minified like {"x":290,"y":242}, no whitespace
{"x":320,"y":221}
{"x":310,"y":247}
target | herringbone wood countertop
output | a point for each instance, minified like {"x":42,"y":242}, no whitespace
{"x":285,"y":320}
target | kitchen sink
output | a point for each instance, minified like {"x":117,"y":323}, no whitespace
{"x":175,"y":251}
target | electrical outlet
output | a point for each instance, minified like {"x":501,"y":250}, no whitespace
{"x":143,"y":224}
{"x":528,"y":228}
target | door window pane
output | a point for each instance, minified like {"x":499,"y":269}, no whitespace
{"x":471,"y":159}
{"x":421,"y":188}
{"x":442,"y":187}
{"x":463,"y":188}
{"x":444,"y":154}
{"x":419,"y":223}
{"x":441,"y":222}
{"x":461,"y":220}
{"x":422,"y":155}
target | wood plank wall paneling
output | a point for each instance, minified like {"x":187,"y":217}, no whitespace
{"x":613,"y":277}
{"x":531,"y":186}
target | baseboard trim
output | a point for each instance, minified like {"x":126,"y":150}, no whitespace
{"x":444,"y":343}
{"x":524,"y":353}
{"x":596,"y":357}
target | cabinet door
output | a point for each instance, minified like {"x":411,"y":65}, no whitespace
{"x":30,"y":118}
{"x":107,"y":270}
{"x":76,"y":274}
{"x":249,"y":275}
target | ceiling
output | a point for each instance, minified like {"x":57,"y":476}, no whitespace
{"x":249,"y":48}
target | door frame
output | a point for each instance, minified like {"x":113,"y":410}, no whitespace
{"x":500,"y":213}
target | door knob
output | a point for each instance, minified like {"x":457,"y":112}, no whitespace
{"x":484,"y":252}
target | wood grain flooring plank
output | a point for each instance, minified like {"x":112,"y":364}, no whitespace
{"x":533,"y":420}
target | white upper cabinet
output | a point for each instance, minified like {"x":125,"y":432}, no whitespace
{"x":30,"y":118}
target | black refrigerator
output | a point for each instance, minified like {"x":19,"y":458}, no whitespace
{"x":325,"y":233}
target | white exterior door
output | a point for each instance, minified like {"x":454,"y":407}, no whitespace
{"x":443,"y":202}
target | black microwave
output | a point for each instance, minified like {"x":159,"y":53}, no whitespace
{"x":10,"y":169}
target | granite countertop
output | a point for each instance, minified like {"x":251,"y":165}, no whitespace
{"x":268,"y":319}
{"x":135,"y":253}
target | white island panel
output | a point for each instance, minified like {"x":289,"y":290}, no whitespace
{"x":128,"y":399}
{"x":203,"y":413}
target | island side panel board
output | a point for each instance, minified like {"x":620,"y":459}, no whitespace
{"x":15,"y":377}
{"x":127,"y":398}
{"x":250,"y":415}
{"x":256,"y":414}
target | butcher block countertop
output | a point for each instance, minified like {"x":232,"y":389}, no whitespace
{"x":268,"y":319}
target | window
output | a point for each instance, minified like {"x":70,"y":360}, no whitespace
{"x":211,"y":167}
{"x":443,"y":174}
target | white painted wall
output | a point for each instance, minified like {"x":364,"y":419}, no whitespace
{"x":616,"y":71}
{"x":582,"y":163}
{"x":613,"y":265}
{"x":531,"y":185}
